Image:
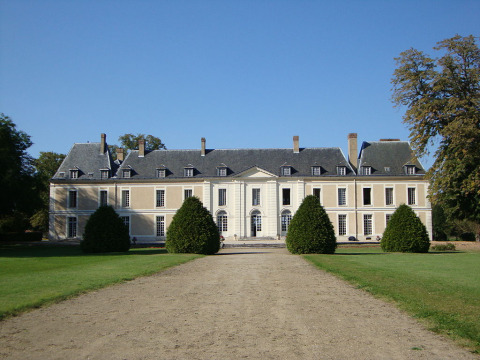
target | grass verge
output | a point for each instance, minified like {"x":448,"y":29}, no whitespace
{"x":441,"y":288}
{"x":31,"y":277}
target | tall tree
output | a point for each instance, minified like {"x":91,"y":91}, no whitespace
{"x":16,"y":167}
{"x":442,"y":100}
{"x":130,"y":141}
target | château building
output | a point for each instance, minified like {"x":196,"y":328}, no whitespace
{"x":250,"y":192}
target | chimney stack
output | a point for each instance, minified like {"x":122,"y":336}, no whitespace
{"x":296,"y":146}
{"x":120,"y":156}
{"x":103,"y":146}
{"x":352,"y":149}
{"x":141,"y":147}
{"x":202,"y":151}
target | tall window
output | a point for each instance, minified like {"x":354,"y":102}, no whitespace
{"x":103,"y":197}
{"x":160,"y":226}
{"x":72,"y":227}
{"x":367,"y":225}
{"x":187,"y":193}
{"x":286,"y":218}
{"x":126,"y":222}
{"x":125,"y":198}
{"x":342,"y":224}
{"x":160,"y":200}
{"x":286,"y":196}
{"x":388,"y":196}
{"x":411,"y":196}
{"x":222,"y":197}
{"x":72,"y":198}
{"x":255,"y":196}
{"x":367,"y":196}
{"x":222,"y":221}
{"x":316,"y":193}
{"x":342,"y":196}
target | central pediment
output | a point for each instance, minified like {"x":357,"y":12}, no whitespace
{"x":255,"y":172}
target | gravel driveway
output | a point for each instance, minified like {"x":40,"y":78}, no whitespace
{"x":240,"y":304}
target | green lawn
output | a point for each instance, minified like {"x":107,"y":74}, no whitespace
{"x":34,"y":276}
{"x":441,"y":288}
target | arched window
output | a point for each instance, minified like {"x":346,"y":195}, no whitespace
{"x":222,"y":221}
{"x":286,"y":218}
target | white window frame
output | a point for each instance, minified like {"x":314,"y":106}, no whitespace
{"x":222,"y":171}
{"x":341,"y":170}
{"x":286,"y":170}
{"x":161,"y":173}
{"x":126,"y":173}
{"x":289,"y":196}
{"x":286,"y":218}
{"x":342,"y":224}
{"x":75,"y":202}
{"x":222,"y":197}
{"x":160,"y":226}
{"x":187,"y":193}
{"x":222,"y":221}
{"x":126,"y":201}
{"x":366,"y":170}
{"x":392,"y":197}
{"x":363,"y":195}
{"x":188,"y":172}
{"x":410,"y":170}
{"x":411,"y":195}
{"x":256,"y":197}
{"x":72,"y":232}
{"x":344,"y":198}
{"x":73,"y":173}
{"x":316,"y":170}
{"x":100,"y":192}
{"x":367,"y":224}
{"x":104,"y":174}
{"x":159,"y":198}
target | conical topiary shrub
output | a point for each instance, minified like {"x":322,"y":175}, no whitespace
{"x":311,"y":231}
{"x":105,"y":232}
{"x":405,"y":232}
{"x":193,"y":230}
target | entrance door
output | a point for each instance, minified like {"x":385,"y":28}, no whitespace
{"x":256,"y":222}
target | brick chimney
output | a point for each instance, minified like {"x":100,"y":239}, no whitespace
{"x":103,"y":143}
{"x":120,"y":156}
{"x":202,"y":151}
{"x":296,"y":146}
{"x":352,"y":149}
{"x":141,"y":148}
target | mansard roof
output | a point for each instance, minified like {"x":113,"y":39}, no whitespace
{"x":87,"y":159}
{"x":388,"y":158}
{"x":236,"y":161}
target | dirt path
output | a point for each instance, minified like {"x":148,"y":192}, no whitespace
{"x":244,"y":303}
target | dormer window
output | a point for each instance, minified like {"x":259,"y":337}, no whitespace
{"x":126,"y":173}
{"x":188,"y":172}
{"x":222,"y":171}
{"x":104,"y":174}
{"x":410,"y":169}
{"x":161,"y":173}
{"x":61,"y":175}
{"x":316,"y":170}
{"x":366,"y":170}
{"x":341,"y":170}
{"x":73,"y":173}
{"x":286,"y":170}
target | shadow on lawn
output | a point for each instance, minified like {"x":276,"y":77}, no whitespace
{"x":22,"y":251}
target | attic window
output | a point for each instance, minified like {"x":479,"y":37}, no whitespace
{"x":410,"y":169}
{"x":188,"y":172}
{"x":286,"y":170}
{"x":126,"y":173}
{"x":341,"y":170}
{"x":387,"y":169}
{"x":161,"y":173}
{"x":104,"y":174}
{"x":366,"y":170}
{"x":61,"y":174}
{"x":316,"y":170}
{"x":90,"y":175}
{"x":74,"y":174}
{"x":222,"y":171}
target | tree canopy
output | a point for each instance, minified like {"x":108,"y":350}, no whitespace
{"x":442,"y":100}
{"x":130,"y":141}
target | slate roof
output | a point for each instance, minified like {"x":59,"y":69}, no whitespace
{"x":236,"y":161}
{"x":88,"y":160}
{"x":393,"y":155}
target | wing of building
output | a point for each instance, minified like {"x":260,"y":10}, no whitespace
{"x":249,"y":192}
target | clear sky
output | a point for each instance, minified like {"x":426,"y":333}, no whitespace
{"x":242,"y":74}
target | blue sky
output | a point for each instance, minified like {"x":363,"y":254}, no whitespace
{"x":239,"y":73}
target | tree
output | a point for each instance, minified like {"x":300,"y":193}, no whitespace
{"x":405,"y":232}
{"x":442,"y":100}
{"x":311,"y":230}
{"x":193,"y":230}
{"x":130,"y":141}
{"x":16,"y":181}
{"x":105,"y":232}
{"x":45,"y":167}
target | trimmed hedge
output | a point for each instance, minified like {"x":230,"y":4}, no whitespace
{"x":105,"y":232}
{"x":311,"y":231}
{"x":193,"y":230}
{"x":405,"y":232}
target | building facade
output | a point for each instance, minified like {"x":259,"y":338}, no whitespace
{"x":251,"y":193}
